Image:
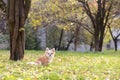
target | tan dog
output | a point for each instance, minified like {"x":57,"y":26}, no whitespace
{"x":46,"y":58}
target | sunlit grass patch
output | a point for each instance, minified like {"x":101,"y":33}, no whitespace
{"x":65,"y":66}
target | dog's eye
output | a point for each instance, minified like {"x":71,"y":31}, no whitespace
{"x":49,"y":53}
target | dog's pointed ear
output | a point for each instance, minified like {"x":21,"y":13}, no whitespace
{"x":53,"y":49}
{"x":47,"y":49}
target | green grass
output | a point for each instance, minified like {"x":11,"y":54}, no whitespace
{"x":65,"y":66}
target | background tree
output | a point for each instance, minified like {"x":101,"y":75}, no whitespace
{"x":99,"y":13}
{"x":114,"y":29}
{"x":31,"y":40}
{"x":56,"y":12}
{"x":63,"y":12}
{"x":113,"y":25}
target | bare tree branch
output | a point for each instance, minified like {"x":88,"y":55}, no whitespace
{"x":108,"y":14}
{"x":111,"y":32}
{"x":86,"y":27}
{"x":88,"y":11}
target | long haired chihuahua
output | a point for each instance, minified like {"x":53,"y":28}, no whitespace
{"x":46,"y":58}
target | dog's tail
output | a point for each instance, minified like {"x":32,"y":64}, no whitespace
{"x":34,"y":63}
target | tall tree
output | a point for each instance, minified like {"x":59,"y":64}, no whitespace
{"x":17,"y":11}
{"x":17,"y":14}
{"x":115,"y":35}
{"x":99,"y":12}
{"x":114,"y":29}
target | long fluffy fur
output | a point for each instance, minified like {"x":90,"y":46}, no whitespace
{"x":32,"y":63}
{"x":45,"y":59}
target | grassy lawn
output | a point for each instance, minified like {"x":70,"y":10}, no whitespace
{"x":65,"y":66}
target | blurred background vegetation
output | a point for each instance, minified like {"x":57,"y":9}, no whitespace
{"x":65,"y":25}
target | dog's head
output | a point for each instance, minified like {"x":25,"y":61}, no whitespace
{"x":50,"y":52}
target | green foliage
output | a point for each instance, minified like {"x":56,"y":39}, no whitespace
{"x":2,"y":38}
{"x":65,"y":66}
{"x":53,"y":34}
{"x":31,"y":38}
{"x":55,"y":11}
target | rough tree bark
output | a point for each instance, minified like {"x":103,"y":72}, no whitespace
{"x":17,"y":14}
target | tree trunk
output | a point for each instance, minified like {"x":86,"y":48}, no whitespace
{"x":101,"y":39}
{"x":16,"y":20}
{"x":91,"y":46}
{"x":76,"y":37}
{"x":100,"y":45}
{"x":60,"y":39}
{"x":69,"y":42}
{"x":96,"y":39}
{"x":115,"y":44}
{"x":96,"y":46}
